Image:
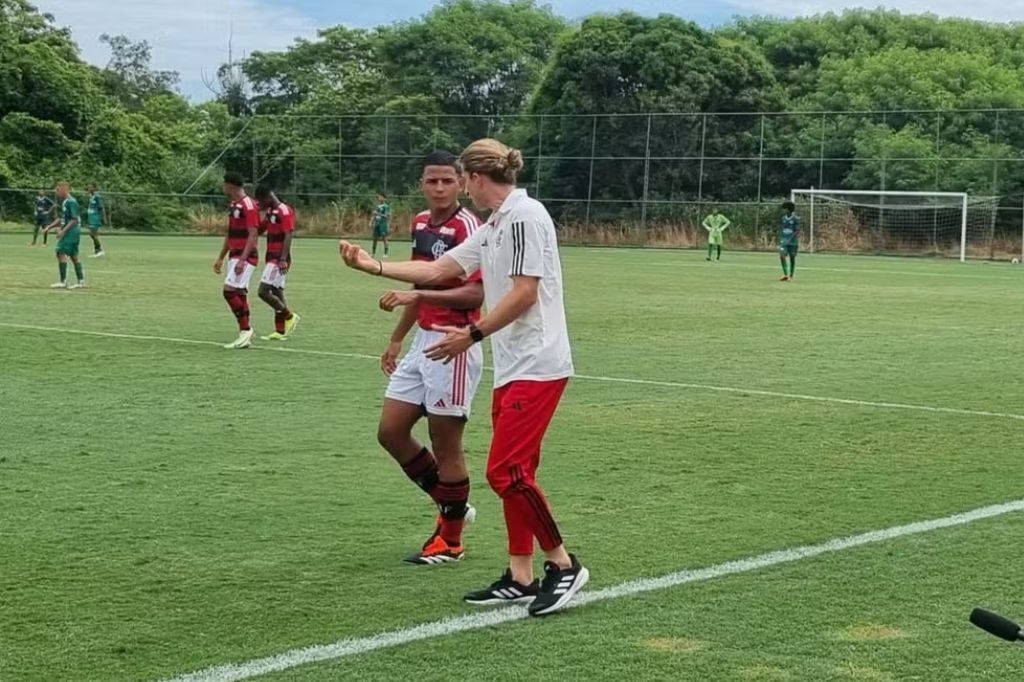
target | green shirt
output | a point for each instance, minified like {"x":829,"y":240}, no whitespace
{"x":95,"y":209}
{"x":382,"y":215}
{"x":716,"y":224}
{"x":789,"y":233}
{"x":71,"y":212}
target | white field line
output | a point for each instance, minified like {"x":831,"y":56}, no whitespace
{"x":352,"y":646}
{"x":585,"y":377}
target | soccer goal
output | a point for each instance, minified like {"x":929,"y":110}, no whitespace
{"x":889,"y":222}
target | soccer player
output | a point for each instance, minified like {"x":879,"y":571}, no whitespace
{"x":240,"y":245}
{"x":789,"y":240}
{"x":516,"y":251}
{"x":381,"y":223}
{"x":419,"y":386}
{"x":715,"y":224}
{"x":97,"y":215}
{"x":69,"y":233}
{"x":44,"y":209}
{"x":279,"y":227}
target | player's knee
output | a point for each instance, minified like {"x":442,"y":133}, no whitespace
{"x":391,"y":437}
{"x":500,"y":479}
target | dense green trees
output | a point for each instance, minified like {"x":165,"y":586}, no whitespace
{"x":475,"y":67}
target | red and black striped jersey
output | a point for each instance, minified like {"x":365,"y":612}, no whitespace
{"x":280,"y":222}
{"x":430,"y":242}
{"x":243,"y":216}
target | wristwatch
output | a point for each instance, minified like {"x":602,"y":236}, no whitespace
{"x":475,"y":333}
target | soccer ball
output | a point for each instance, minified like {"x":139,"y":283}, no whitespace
{"x":1016,"y":261}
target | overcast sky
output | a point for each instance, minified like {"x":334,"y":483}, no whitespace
{"x":191,"y":36}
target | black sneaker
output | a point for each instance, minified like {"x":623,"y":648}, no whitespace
{"x":503,"y":591}
{"x":559,"y":587}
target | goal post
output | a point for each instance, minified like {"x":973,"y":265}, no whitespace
{"x":894,"y":222}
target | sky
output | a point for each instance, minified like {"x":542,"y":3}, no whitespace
{"x":191,"y":36}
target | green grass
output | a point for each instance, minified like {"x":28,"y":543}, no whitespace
{"x":166,"y":507}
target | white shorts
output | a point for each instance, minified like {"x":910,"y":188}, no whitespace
{"x":238,"y":281}
{"x":272,"y":276}
{"x":443,"y":390}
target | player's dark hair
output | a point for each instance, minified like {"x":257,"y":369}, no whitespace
{"x":441,"y":157}
{"x":788,"y":206}
{"x":263,"y":192}
{"x":235,"y":179}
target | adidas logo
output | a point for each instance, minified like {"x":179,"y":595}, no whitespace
{"x":440,"y":404}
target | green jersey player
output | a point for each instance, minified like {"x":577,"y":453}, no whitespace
{"x":789,"y":240}
{"x":715,"y":224}
{"x":381,"y":223}
{"x":69,"y":232}
{"x":96,"y":215}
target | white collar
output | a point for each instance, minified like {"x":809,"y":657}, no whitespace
{"x":511,"y":201}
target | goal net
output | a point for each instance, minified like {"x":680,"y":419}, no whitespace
{"x":907,"y":223}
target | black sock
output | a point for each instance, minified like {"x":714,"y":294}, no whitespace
{"x":422,"y":470}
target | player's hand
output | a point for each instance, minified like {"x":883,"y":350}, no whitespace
{"x":218,"y":265}
{"x":240,"y":267}
{"x":397,"y":299}
{"x":357,"y":259}
{"x":284,"y":267}
{"x":389,"y":360}
{"x":456,"y":341}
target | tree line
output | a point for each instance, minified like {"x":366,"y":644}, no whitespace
{"x":316,"y":118}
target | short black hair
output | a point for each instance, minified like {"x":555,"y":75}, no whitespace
{"x":441,"y":157}
{"x":235,"y":179}
{"x":262,"y":192}
{"x":788,"y":206}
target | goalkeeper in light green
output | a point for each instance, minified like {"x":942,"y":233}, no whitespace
{"x":715,"y":224}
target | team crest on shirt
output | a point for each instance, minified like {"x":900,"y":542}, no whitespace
{"x":438,"y":249}
{"x":236,"y":213}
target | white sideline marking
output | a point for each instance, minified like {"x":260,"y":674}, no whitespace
{"x":352,"y":646}
{"x":585,"y":377}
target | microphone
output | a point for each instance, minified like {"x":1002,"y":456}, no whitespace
{"x":994,"y":624}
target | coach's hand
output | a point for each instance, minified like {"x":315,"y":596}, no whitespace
{"x":357,"y":259}
{"x":218,"y":265}
{"x":389,"y":360}
{"x":396,"y":299}
{"x":456,"y":341}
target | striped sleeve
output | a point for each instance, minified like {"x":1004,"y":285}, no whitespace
{"x":527,"y":244}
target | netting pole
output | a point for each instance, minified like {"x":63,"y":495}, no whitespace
{"x":821,"y":155}
{"x":963,"y":231}
{"x":590,"y":182}
{"x":761,"y":165}
{"x":341,"y":171}
{"x":1022,"y":231}
{"x":647,"y":178}
{"x":254,"y":160}
{"x":540,"y":155}
{"x":387,"y":132}
{"x":994,"y":193}
{"x":700,"y":176}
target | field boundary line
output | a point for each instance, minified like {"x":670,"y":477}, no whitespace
{"x":733,"y":390}
{"x":352,"y":646}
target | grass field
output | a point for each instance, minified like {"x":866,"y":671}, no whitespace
{"x":167,"y":506}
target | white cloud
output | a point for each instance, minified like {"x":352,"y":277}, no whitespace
{"x":988,"y":10}
{"x":187,"y":36}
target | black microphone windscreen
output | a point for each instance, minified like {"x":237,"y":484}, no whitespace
{"x":995,"y":624}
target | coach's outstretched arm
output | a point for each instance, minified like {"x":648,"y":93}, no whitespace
{"x":426,"y":273}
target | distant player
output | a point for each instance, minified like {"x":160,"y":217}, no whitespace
{"x":517,"y":254}
{"x":381,"y":223}
{"x":97,"y":216}
{"x":715,"y":224}
{"x":69,"y":233}
{"x":44,"y":213}
{"x":789,"y":240}
{"x":240,"y":244}
{"x":279,"y":226}
{"x":421,"y":387}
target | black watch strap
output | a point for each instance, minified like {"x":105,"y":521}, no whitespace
{"x":475,"y":333}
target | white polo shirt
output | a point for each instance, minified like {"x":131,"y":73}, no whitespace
{"x":519,"y":240}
